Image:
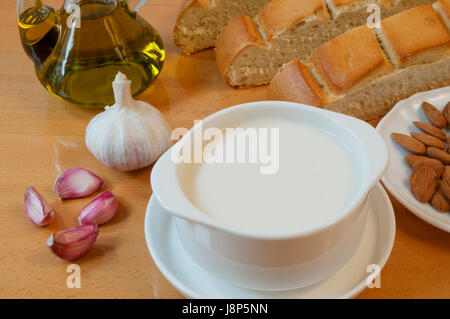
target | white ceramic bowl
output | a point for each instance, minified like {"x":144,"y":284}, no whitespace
{"x":282,"y":261}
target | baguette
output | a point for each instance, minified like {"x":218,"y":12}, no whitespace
{"x":200,"y":21}
{"x":364,"y":79}
{"x":289,"y":30}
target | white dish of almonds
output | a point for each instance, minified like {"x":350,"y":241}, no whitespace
{"x":396,"y":179}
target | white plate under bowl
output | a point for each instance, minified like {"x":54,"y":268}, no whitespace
{"x":396,"y":178}
{"x":193,"y":282}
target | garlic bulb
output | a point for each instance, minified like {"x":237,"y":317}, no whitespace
{"x":130,"y":134}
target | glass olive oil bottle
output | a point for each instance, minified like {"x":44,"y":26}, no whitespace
{"x":79,"y":49}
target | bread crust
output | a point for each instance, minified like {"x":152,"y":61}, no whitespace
{"x":295,"y":82}
{"x":277,"y":15}
{"x":412,"y":32}
{"x":350,"y":58}
{"x":240,"y":33}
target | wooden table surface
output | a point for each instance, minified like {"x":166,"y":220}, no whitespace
{"x":41,"y":136}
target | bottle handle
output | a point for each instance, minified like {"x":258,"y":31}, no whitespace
{"x":138,"y":6}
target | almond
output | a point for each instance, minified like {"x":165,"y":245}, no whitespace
{"x":433,"y":115}
{"x":445,"y":187}
{"x":411,"y":159}
{"x":429,"y":140}
{"x":448,"y":143}
{"x":440,"y":202}
{"x":446,"y":112}
{"x":409,"y":143}
{"x":423,"y":183}
{"x":438,"y":154}
{"x":446,"y":173}
{"x":430,"y":129}
{"x":416,"y":160}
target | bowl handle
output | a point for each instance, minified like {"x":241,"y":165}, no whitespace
{"x":373,"y":144}
{"x":166,"y":187}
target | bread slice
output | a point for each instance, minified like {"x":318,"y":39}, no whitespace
{"x":200,"y":21}
{"x":290,"y":29}
{"x":408,"y":43}
{"x":412,"y":55}
{"x":350,"y":60}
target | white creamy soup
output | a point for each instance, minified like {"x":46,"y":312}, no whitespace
{"x":316,"y":178}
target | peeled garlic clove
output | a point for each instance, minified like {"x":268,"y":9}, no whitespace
{"x":77,"y":182}
{"x":100,"y":210}
{"x":73,"y":243}
{"x":38,"y":211}
{"x":130,"y":134}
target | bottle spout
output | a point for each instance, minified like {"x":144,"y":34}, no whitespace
{"x":38,"y":29}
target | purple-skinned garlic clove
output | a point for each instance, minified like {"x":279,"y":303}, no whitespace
{"x":37,"y":209}
{"x":76,"y":183}
{"x":100,"y":210}
{"x":73,"y":243}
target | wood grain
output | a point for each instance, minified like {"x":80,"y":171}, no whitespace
{"x":41,"y":136}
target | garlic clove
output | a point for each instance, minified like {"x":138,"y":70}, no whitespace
{"x":73,"y":243}
{"x":76,"y":183}
{"x":100,"y":210}
{"x":37,"y":209}
{"x":129,"y":134}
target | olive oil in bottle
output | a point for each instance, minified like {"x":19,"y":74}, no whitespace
{"x":77,"y":60}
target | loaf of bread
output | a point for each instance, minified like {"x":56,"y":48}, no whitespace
{"x":364,"y":72}
{"x":200,"y":21}
{"x":249,"y":51}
